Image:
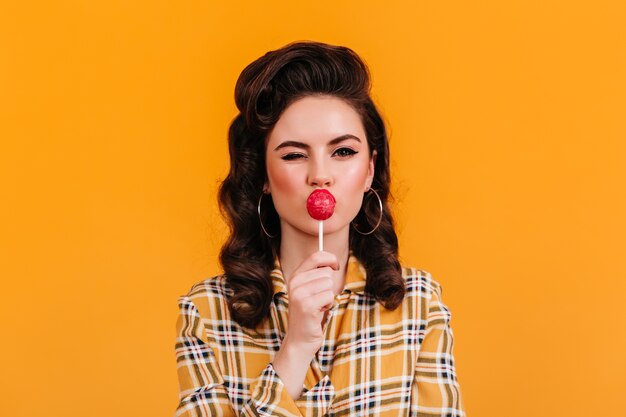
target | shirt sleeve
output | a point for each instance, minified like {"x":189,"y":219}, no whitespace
{"x":436,"y":391}
{"x":202,"y":391}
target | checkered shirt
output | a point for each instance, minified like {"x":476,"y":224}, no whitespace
{"x":373,"y":361}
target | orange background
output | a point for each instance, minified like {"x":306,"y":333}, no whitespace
{"x":508,"y":144}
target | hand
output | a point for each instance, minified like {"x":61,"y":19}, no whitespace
{"x":310,"y":291}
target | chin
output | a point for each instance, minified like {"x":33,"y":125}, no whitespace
{"x":311,"y":226}
{"x":332,"y":225}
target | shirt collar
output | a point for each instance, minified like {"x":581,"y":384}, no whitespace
{"x":355,"y":276}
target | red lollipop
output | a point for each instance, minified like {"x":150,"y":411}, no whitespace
{"x":320,"y":205}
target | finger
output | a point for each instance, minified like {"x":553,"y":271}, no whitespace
{"x":316,"y":260}
{"x":305,"y":277}
{"x":317,"y":303}
{"x":309,"y":288}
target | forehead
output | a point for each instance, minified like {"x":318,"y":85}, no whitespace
{"x":316,"y":118}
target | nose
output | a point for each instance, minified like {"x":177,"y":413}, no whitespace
{"x":319,"y":175}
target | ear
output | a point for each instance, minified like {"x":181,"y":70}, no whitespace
{"x":266,"y":186}
{"x":370,"y":171}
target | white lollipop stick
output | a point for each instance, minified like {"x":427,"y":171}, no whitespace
{"x":321,"y":235}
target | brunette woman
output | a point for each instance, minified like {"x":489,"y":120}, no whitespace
{"x":290,"y":330}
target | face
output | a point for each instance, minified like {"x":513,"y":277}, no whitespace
{"x":318,"y":142}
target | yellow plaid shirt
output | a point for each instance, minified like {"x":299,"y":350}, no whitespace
{"x":373,"y":361}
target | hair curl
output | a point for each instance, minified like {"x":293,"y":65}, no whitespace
{"x":265,"y":88}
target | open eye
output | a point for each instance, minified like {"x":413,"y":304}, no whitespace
{"x":345,"y":152}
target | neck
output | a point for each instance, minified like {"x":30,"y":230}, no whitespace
{"x":296,"y":246}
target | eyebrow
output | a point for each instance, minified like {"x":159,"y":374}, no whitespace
{"x":297,"y":144}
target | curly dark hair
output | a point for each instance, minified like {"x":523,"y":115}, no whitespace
{"x":265,"y":88}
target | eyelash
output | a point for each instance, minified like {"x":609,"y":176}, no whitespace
{"x":294,"y":156}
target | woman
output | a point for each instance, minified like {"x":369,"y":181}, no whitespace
{"x":289,"y":329}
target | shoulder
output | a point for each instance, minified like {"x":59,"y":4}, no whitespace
{"x":424,"y":295}
{"x":210,"y":294}
{"x":420,"y":283}
{"x":214,"y":286}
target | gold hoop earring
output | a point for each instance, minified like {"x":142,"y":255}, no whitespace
{"x":380,"y":218}
{"x":258,"y":207}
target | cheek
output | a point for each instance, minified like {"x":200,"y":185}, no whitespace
{"x":355,"y":177}
{"x":284,"y":180}
{"x":353,"y":187}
